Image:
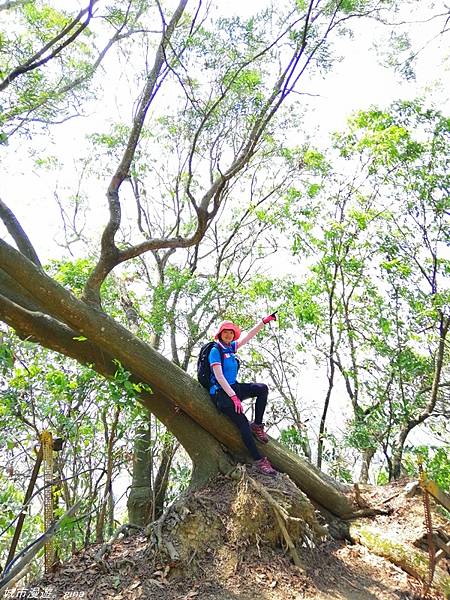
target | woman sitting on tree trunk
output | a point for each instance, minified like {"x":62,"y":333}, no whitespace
{"x":227,"y":393}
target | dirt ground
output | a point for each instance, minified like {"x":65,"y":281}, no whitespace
{"x":251,"y":568}
{"x":335,"y":570}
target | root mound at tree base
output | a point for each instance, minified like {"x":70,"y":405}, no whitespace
{"x":229,"y":547}
{"x":236,"y":512}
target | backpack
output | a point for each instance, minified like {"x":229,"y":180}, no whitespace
{"x":203,"y":366}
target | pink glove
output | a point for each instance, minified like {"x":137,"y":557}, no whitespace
{"x":272,"y":317}
{"x":237,"y":404}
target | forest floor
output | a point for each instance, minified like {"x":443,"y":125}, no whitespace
{"x":249,"y":568}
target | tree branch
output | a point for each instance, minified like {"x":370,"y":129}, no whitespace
{"x":18,"y":234}
{"x":38,"y":59}
{"x":109,"y":257}
{"x":444,"y":326}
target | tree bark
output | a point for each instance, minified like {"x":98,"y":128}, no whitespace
{"x":162,"y":476}
{"x":146,"y":498}
{"x":139,"y":501}
{"x":367,"y":456}
{"x":110,"y":441}
{"x":414,"y":562}
{"x":397,"y":457}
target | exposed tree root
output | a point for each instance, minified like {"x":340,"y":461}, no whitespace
{"x":282,"y":518}
{"x":239,"y":517}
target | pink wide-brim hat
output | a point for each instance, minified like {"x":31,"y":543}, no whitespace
{"x":229,"y":325}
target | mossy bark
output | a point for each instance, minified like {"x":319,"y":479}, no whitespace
{"x":413,"y":561}
{"x":139,"y":503}
{"x":146,"y":498}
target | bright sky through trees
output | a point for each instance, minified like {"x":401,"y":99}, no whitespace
{"x":355,"y":82}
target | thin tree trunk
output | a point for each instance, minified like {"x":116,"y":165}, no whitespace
{"x":367,"y":456}
{"x":331,"y":365}
{"x":140,"y":498}
{"x":326,"y":405}
{"x":162,"y":476}
{"x":88,"y":523}
{"x":110,"y":521}
{"x":110,"y":439}
{"x":397,"y":456}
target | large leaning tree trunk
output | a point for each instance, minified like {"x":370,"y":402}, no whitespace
{"x":39,"y":309}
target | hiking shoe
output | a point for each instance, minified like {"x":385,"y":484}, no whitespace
{"x":263,"y":465}
{"x":259,"y":433}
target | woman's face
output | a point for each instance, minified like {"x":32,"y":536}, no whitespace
{"x":227,"y":336}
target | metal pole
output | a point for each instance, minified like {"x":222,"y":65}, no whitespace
{"x":47,"y":450}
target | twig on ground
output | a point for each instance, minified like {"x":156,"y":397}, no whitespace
{"x":106,"y":548}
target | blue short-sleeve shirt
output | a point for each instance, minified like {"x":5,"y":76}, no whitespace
{"x":230,"y":364}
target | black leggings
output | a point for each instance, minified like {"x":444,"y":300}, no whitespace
{"x":226,"y":406}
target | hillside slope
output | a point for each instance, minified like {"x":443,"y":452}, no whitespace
{"x":225,"y":542}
